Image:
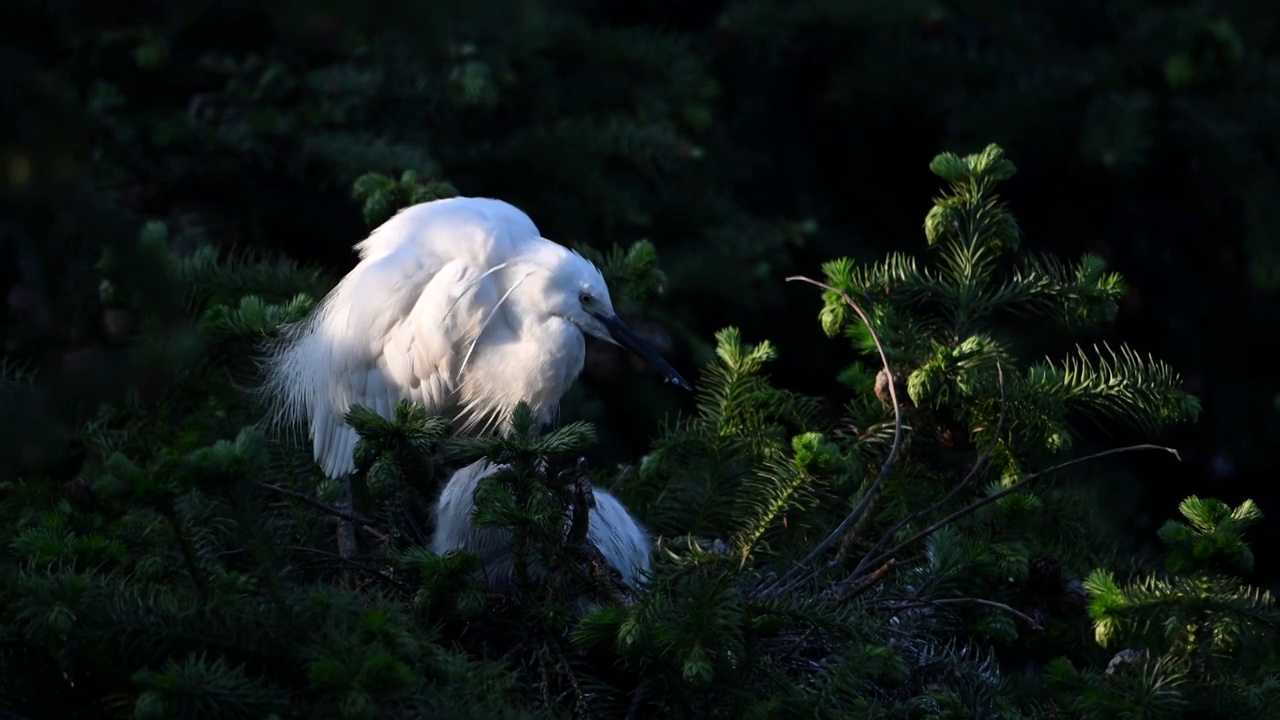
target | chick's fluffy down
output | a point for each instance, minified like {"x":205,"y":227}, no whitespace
{"x":622,"y":541}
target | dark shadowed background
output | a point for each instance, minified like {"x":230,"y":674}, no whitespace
{"x":747,"y":140}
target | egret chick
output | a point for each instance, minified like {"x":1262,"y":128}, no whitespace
{"x":621,"y":540}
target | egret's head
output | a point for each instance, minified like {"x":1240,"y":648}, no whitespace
{"x":577,"y":292}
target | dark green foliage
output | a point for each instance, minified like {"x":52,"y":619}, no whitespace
{"x":947,"y":323}
{"x":1197,"y":643}
{"x":242,"y":128}
{"x":893,"y":562}
{"x":1122,"y":90}
{"x":381,"y":196}
{"x":1143,"y":131}
{"x":949,"y":329}
{"x":730,"y":470}
{"x":1143,"y":135}
{"x":209,"y":604}
{"x":162,"y":555}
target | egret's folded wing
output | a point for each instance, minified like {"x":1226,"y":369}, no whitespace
{"x":389,"y":331}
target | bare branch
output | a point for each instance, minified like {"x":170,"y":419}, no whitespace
{"x":368,"y":567}
{"x":622,"y":477}
{"x":582,"y":500}
{"x":1026,"y":479}
{"x":369,"y":526}
{"x":921,"y":602}
{"x":637,"y":700}
{"x":973,"y":473}
{"x":790,"y":576}
{"x":875,"y":577}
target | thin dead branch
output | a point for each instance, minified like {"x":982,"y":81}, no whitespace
{"x":1023,"y":482}
{"x":637,"y":700}
{"x":864,"y":584}
{"x":366,"y":566}
{"x":790,"y":577}
{"x":907,"y":603}
{"x":373,"y":528}
{"x":622,"y":477}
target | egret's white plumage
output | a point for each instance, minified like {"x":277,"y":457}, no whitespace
{"x":621,"y":540}
{"x":458,"y":304}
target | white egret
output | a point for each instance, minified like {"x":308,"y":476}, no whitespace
{"x":459,"y":304}
{"x":622,"y":542}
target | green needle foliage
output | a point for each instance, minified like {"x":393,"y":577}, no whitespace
{"x":854,"y":556}
{"x":1196,"y":641}
{"x":981,"y":412}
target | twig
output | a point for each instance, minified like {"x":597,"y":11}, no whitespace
{"x":347,"y":544}
{"x":790,"y":576}
{"x":582,"y":500}
{"x":978,"y":504}
{"x":920,"y":602}
{"x":622,"y":477}
{"x":846,"y":542}
{"x":795,"y":646}
{"x":368,"y":525}
{"x":356,"y":563}
{"x":543,"y":662}
{"x":579,"y":694}
{"x":406,"y":514}
{"x":637,"y":700}
{"x":870,"y":580}
{"x":973,"y":473}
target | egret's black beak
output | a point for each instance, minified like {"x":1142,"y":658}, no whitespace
{"x":622,"y":335}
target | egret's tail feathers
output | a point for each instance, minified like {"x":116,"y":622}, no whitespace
{"x":284,"y":389}
{"x":304,"y":384}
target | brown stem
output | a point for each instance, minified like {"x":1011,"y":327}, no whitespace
{"x":622,"y":477}
{"x":790,"y":576}
{"x":920,"y":602}
{"x":582,"y":500}
{"x":870,"y":580}
{"x":354,"y":563}
{"x":368,"y":525}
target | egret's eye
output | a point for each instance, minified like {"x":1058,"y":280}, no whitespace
{"x":585,"y":299}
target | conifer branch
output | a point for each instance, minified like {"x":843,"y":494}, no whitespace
{"x":790,"y":577}
{"x":1023,"y":482}
{"x":973,"y":473}
{"x":184,"y":544}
